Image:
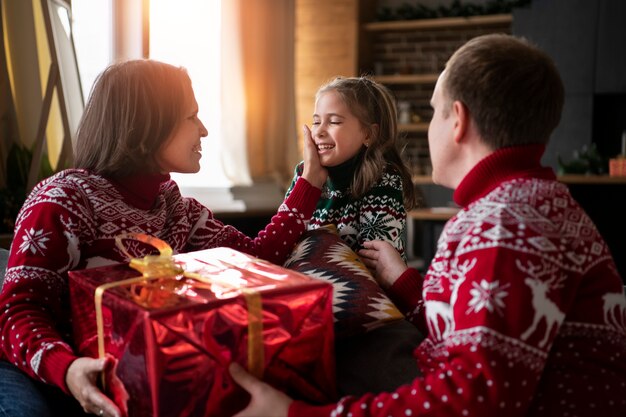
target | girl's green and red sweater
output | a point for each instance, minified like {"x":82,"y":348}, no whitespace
{"x":377,"y":215}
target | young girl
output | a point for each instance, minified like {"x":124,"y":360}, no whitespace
{"x":140,"y":123}
{"x":369,"y":188}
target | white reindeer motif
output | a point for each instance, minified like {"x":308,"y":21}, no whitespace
{"x":436,"y":310}
{"x":615,"y":309}
{"x":543,"y":306}
{"x":73,"y":252}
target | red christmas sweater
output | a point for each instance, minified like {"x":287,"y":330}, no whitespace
{"x":70,"y":221}
{"x":523,"y":306}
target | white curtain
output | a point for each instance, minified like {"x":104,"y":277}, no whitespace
{"x":234,"y":154}
{"x":258,"y":90}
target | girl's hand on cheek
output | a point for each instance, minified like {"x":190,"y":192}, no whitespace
{"x":314,"y":172}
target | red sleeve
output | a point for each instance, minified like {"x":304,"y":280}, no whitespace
{"x":277,"y":240}
{"x":34,"y":320}
{"x":406,"y":293}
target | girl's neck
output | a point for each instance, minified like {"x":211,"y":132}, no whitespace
{"x":341,"y":175}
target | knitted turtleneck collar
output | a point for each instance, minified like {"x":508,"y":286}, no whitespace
{"x":341,"y":176}
{"x":140,"y":190}
{"x":502,"y":165}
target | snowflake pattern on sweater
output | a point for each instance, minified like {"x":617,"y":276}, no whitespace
{"x":70,"y":221}
{"x":525,"y":314}
{"x":377,"y":215}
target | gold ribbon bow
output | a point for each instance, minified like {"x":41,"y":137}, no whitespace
{"x":164,"y":267}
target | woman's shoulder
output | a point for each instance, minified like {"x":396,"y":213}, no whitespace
{"x":72,"y":175}
{"x":71,"y":181}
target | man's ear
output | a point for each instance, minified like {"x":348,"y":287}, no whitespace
{"x":462,"y":119}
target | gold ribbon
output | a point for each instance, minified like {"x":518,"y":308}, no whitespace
{"x":163,"y":266}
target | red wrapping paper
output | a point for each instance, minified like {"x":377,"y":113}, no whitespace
{"x":617,"y":167}
{"x":173,"y":352}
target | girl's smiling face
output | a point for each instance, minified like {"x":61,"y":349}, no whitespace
{"x":337,"y":133}
{"x":181,"y":152}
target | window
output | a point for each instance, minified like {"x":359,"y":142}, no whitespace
{"x":91,"y":21}
{"x":187,"y":33}
{"x":184,"y":33}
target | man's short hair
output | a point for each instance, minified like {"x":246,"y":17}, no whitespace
{"x":512,"y":90}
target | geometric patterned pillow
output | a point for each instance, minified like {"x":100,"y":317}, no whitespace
{"x":359,"y":303}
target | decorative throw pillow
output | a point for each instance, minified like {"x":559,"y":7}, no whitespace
{"x":359,"y":303}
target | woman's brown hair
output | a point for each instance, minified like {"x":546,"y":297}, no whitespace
{"x":373,"y":104}
{"x":133,"y":108}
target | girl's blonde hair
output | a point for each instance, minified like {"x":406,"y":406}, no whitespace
{"x":373,"y":104}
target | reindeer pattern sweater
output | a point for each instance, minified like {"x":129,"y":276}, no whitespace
{"x":70,"y":221}
{"x":523,"y":306}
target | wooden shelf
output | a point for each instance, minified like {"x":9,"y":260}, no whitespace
{"x":591,"y":179}
{"x":440,"y":23}
{"x":413,"y":127}
{"x":422,"y":179}
{"x":407,"y":78}
{"x":433,"y":213}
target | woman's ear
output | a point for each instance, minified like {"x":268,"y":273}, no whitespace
{"x":461,"y":123}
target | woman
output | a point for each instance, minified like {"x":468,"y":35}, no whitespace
{"x":140,"y":123}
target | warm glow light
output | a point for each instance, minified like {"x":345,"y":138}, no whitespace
{"x":187,"y":33}
{"x":92,"y":39}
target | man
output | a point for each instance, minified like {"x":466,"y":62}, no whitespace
{"x":523,"y":305}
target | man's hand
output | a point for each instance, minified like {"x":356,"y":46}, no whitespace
{"x":383,"y":260}
{"x":313,"y":171}
{"x":81,"y":380}
{"x":265,"y":402}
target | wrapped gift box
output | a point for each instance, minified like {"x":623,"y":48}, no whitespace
{"x":617,"y":167}
{"x":175,"y":337}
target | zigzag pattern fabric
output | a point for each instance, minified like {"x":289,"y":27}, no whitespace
{"x":359,"y":303}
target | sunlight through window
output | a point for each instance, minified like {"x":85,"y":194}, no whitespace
{"x":184,"y":33}
{"x":91,"y":22}
{"x":187,"y":33}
